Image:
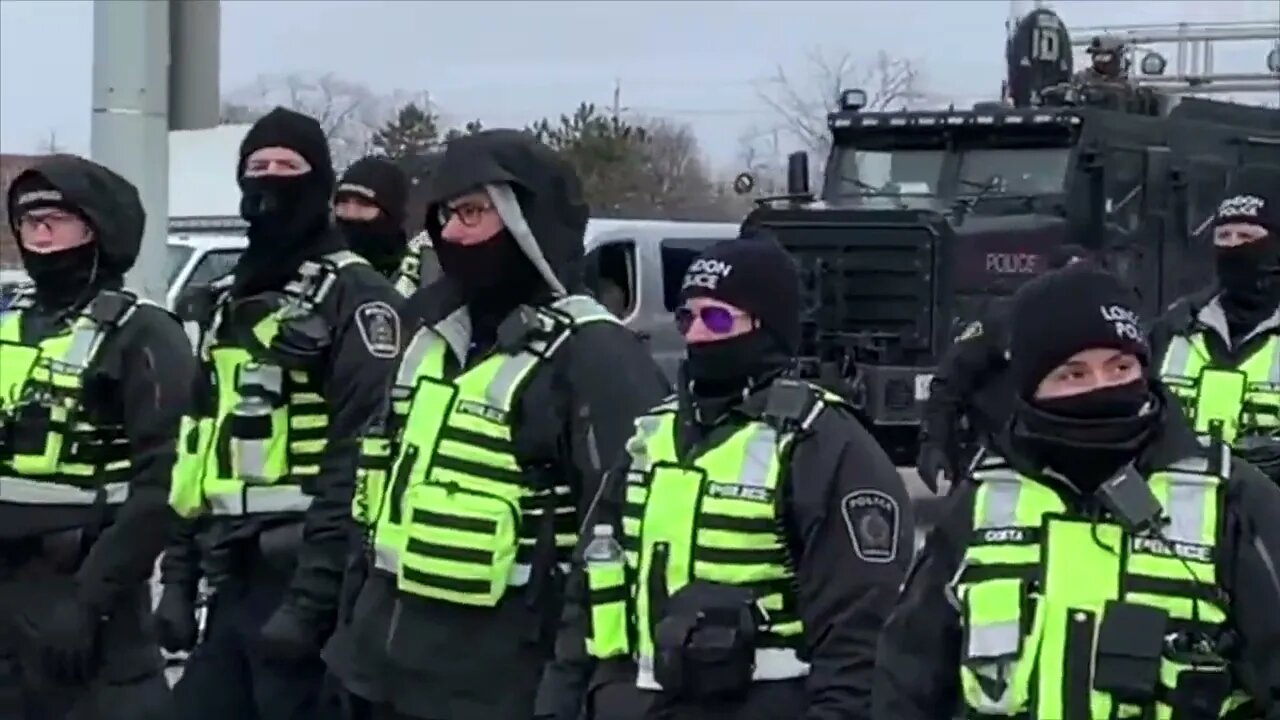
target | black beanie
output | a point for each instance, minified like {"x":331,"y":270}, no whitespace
{"x":1063,"y":312}
{"x":755,"y":274}
{"x":379,"y":181}
{"x":1252,"y":196}
{"x":33,"y":191}
{"x":288,"y":129}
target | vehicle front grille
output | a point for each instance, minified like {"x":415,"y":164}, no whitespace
{"x":865,"y":287}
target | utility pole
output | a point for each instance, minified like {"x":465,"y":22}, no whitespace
{"x":617,"y":98}
{"x":155,"y":68}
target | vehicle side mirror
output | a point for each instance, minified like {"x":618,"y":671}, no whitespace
{"x":195,"y":304}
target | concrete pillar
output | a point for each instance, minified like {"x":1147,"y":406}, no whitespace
{"x":194,"y":52}
{"x":130,"y":128}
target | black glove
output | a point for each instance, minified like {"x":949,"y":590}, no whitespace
{"x":933,"y":463}
{"x":175,"y":617}
{"x":292,"y":634}
{"x":61,"y":636}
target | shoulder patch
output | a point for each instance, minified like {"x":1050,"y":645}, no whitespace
{"x":971,"y":331}
{"x":379,"y":327}
{"x":873,"y":520}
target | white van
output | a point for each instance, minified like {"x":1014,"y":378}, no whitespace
{"x":635,"y":268}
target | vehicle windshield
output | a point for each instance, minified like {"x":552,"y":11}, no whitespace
{"x":1013,"y":171}
{"x":897,"y":172}
{"x":176,"y":257}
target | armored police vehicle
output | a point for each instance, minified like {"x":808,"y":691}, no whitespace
{"x":925,"y":217}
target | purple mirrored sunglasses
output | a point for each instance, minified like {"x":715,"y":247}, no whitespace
{"x":718,"y":320}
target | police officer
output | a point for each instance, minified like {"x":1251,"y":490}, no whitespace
{"x":1106,"y":61}
{"x":93,"y":382}
{"x":969,"y":396}
{"x":762,"y":534}
{"x":1219,"y":350}
{"x":296,"y":354}
{"x":370,"y":208}
{"x":502,"y":409}
{"x":1105,"y":566}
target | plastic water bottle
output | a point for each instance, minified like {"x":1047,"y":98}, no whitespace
{"x":603,"y":548}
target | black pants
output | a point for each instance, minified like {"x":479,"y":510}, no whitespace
{"x":227,"y":676}
{"x":360,"y":709}
{"x":772,"y":700}
{"x":128,"y":682}
{"x":143,"y":698}
{"x":618,"y":700}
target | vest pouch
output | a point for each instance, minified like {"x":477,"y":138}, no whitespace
{"x":186,"y":492}
{"x":1197,"y":679}
{"x":258,"y":427}
{"x":36,"y":439}
{"x":1199,"y":693}
{"x":460,"y":544}
{"x":609,"y":630}
{"x":1219,"y":402}
{"x":1129,"y":653}
{"x":372,"y":478}
{"x":1003,"y":627}
{"x":705,"y":642}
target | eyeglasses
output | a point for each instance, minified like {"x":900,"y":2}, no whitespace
{"x":717,"y":319}
{"x":49,"y":222}
{"x":469,"y":214}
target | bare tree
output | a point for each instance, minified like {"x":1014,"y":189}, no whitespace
{"x":760,"y":153}
{"x":233,"y":113}
{"x":349,"y":112}
{"x":801,"y":106}
{"x":675,"y":181}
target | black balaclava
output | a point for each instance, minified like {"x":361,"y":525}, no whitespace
{"x":382,"y":240}
{"x":1249,"y":273}
{"x":756,"y":275}
{"x":65,"y":278}
{"x":288,"y":215}
{"x":1089,"y":436}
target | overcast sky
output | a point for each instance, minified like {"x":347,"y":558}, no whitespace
{"x":509,"y":63}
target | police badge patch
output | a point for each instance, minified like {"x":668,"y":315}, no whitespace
{"x":379,"y":327}
{"x":872,"y":518}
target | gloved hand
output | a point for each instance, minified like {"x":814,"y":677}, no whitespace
{"x":293,"y":634}
{"x":175,"y":617}
{"x":61,"y":635}
{"x":933,"y":464}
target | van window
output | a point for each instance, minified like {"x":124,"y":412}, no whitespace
{"x":677,"y":255}
{"x":215,"y":264}
{"x":612,"y":273}
{"x":176,"y":257}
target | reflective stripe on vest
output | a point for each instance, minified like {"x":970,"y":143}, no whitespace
{"x":716,"y":516}
{"x":461,"y":517}
{"x":267,"y":430}
{"x":61,"y":459}
{"x":25,"y":491}
{"x":1241,"y":398}
{"x":1035,"y":582}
